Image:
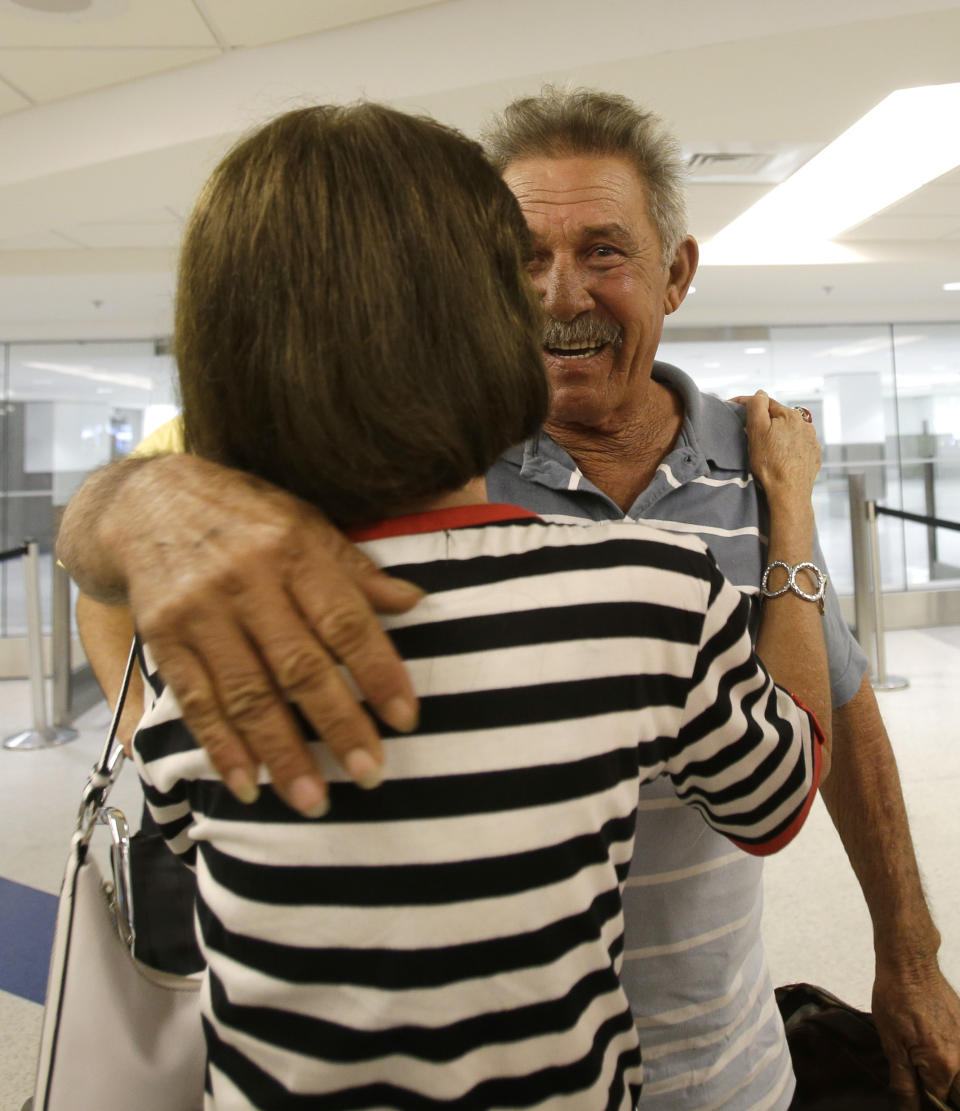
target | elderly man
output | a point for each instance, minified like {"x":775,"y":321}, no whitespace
{"x":239,"y":590}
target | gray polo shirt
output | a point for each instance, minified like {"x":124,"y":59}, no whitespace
{"x":693,"y":965}
{"x":703,"y":486}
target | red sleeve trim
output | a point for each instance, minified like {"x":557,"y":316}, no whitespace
{"x":785,"y":836}
{"x":437,"y":520}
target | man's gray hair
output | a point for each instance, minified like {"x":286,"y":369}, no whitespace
{"x":560,"y":122}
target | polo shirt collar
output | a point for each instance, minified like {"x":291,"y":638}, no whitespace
{"x":711,"y":427}
{"x":712,"y":430}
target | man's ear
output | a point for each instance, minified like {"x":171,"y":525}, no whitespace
{"x":682,"y":270}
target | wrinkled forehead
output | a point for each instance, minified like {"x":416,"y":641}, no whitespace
{"x":579,"y":194}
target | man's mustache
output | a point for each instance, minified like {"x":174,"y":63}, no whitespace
{"x":585,"y":331}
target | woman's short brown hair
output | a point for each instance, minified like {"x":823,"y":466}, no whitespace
{"x":354,"y":321}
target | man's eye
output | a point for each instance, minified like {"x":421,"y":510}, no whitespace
{"x":603,"y":253}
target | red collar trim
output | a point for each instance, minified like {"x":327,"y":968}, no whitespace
{"x":436,"y":520}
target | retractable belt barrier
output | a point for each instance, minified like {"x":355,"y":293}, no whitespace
{"x":867,"y":583}
{"x":930,"y":522}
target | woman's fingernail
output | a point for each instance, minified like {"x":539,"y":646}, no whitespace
{"x":363,"y":769}
{"x":242,"y":787}
{"x":401,"y":713}
{"x":307,"y":796}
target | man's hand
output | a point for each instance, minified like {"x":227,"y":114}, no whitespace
{"x":916,"y":1011}
{"x":918,"y":1017}
{"x":248,"y":599}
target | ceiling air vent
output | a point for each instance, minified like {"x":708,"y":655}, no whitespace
{"x":725,"y":166}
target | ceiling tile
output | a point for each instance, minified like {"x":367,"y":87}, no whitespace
{"x":48,"y":75}
{"x":126,"y":234}
{"x":712,"y":207}
{"x":139,"y":23}
{"x":939,"y":199}
{"x":10,"y":100}
{"x":252,"y":22}
{"x":752,"y":91}
{"x":37,"y":241}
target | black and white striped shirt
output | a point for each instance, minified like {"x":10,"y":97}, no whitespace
{"x":453,"y":938}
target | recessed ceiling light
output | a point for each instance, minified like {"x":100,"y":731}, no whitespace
{"x":907,"y":140}
{"x":94,"y":374}
{"x":870,"y":346}
{"x":952,"y":287}
{"x":754,"y":351}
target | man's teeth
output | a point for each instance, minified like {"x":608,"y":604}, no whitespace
{"x":582,"y":351}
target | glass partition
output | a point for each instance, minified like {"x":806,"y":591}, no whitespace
{"x":68,"y":408}
{"x":885,"y":399}
{"x":928,"y":405}
{"x":886,"y":402}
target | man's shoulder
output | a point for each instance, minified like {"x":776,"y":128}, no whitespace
{"x":714,"y":426}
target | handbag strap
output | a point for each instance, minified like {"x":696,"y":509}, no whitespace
{"x":107,"y":768}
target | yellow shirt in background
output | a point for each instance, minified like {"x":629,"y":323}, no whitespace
{"x":165,"y":440}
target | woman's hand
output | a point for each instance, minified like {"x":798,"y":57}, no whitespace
{"x":784,"y":451}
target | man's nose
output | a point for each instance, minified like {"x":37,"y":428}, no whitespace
{"x":564,"y":292}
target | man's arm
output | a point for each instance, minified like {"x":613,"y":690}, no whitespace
{"x":247,"y":598}
{"x":916,"y":1010}
{"x":106,"y":633}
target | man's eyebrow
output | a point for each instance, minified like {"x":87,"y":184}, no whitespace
{"x":614,"y":232}
{"x":619,"y":233}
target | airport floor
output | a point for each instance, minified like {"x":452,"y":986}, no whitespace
{"x":816,"y":925}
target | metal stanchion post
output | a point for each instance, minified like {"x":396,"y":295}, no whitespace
{"x":41,"y":735}
{"x":930,"y":509}
{"x":860,"y":540}
{"x":881,"y":681}
{"x":62,"y":673}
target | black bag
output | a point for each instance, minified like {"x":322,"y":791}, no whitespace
{"x":164,"y":890}
{"x":837,"y":1054}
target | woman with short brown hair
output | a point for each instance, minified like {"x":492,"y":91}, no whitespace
{"x":354,"y":323}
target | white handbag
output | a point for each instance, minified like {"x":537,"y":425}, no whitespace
{"x":116,"y":1033}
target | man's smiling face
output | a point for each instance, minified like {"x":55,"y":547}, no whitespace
{"x":598,"y":267}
